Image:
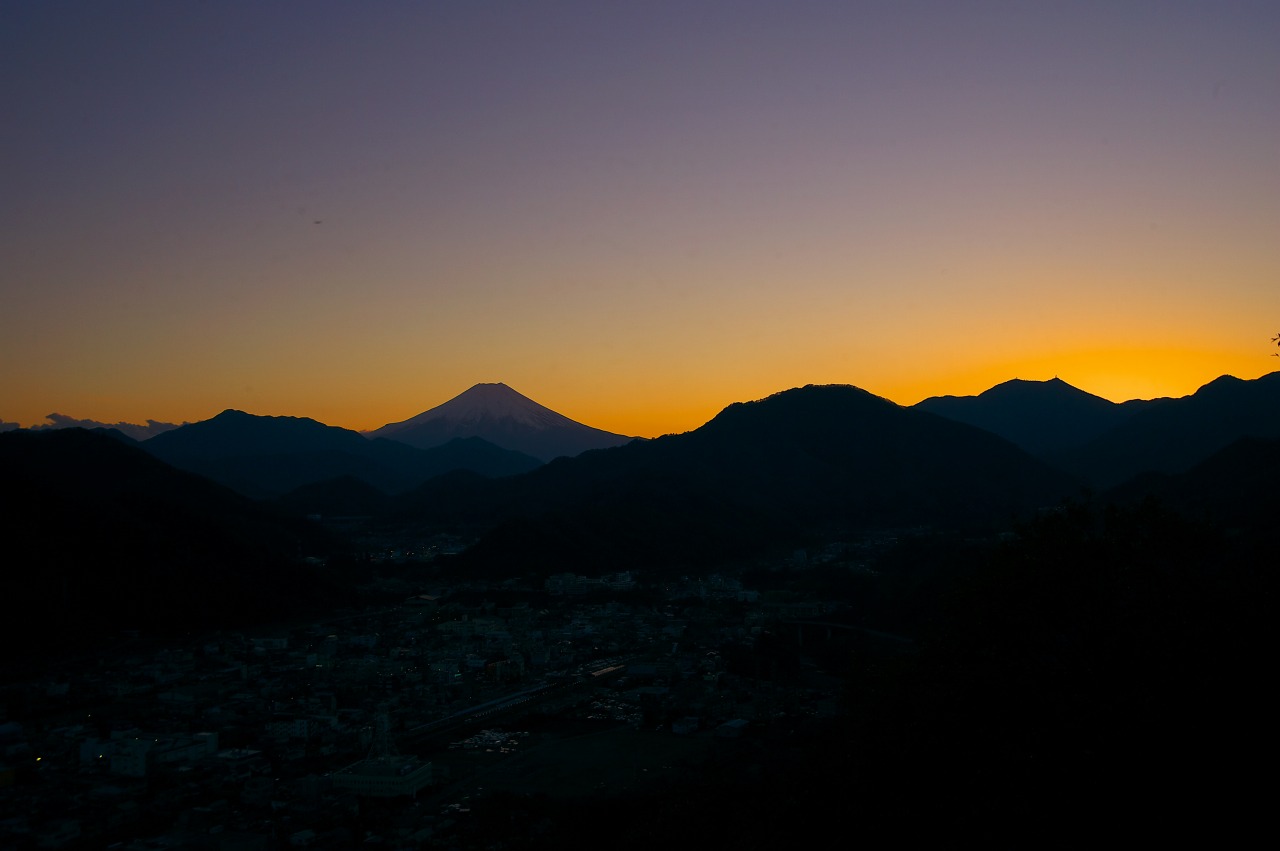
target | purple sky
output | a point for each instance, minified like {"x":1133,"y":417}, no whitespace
{"x":634,"y":213}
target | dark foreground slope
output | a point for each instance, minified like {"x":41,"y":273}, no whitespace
{"x":1103,"y":673}
{"x":1235,"y":488}
{"x":100,"y":536}
{"x":801,"y":465}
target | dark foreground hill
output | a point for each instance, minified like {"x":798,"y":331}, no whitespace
{"x":801,"y":465}
{"x":1235,"y":488}
{"x":1100,"y":672}
{"x":100,"y":536}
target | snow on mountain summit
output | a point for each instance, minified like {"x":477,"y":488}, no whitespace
{"x":489,"y":402}
{"x":502,"y":416}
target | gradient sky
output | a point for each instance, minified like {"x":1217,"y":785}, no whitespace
{"x":635,"y":213}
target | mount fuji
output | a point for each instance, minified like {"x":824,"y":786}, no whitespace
{"x":503,"y":417}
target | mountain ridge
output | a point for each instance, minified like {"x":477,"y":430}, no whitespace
{"x":265,"y":456}
{"x":1040,"y":416}
{"x":804,"y":462}
{"x":1173,"y":435}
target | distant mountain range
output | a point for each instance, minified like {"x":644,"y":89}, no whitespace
{"x":110,"y":534}
{"x":270,"y":456}
{"x":490,"y":430}
{"x":1173,"y":435}
{"x":132,"y":430}
{"x":1100,"y":442}
{"x":1104,"y":443}
{"x":500,"y":415}
{"x":797,"y":466}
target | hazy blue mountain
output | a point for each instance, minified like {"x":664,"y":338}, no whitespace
{"x":269,"y":456}
{"x":343,"y":496}
{"x":1173,"y":435}
{"x":805,"y":462}
{"x":1042,"y":417}
{"x":505,"y":418}
{"x":249,"y":434}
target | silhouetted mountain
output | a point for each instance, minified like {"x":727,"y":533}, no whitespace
{"x":102,"y":535}
{"x":269,"y":456}
{"x":503,"y":417}
{"x":1039,"y":416}
{"x":804,"y":462}
{"x":1174,"y":434}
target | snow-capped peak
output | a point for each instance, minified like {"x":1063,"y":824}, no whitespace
{"x":502,"y":416}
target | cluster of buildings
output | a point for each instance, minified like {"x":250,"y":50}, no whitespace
{"x":291,"y":737}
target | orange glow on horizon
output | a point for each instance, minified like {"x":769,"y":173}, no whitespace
{"x":1116,"y":373}
{"x":626,"y":216}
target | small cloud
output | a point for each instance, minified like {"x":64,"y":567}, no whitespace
{"x":133,"y":430}
{"x":5,"y":426}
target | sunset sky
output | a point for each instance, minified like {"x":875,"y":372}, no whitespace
{"x":634,"y":213}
